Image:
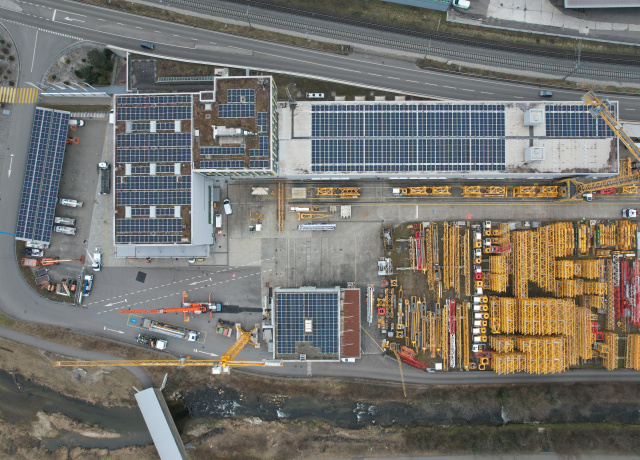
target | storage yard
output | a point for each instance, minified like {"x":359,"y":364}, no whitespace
{"x":538,"y":297}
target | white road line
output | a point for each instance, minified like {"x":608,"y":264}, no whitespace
{"x":471,"y":90}
{"x":375,"y":75}
{"x":412,"y":81}
{"x":54,"y":15}
{"x":448,"y":87}
{"x":485,"y":92}
{"x":33,"y":60}
{"x":429,"y":84}
{"x":393,"y":78}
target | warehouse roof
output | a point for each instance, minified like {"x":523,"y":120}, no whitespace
{"x":444,"y":139}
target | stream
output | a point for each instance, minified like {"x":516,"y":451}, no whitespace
{"x":21,"y":400}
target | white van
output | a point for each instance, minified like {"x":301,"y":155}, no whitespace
{"x":218,"y":220}
{"x":97,"y":261}
{"x":227,"y":207}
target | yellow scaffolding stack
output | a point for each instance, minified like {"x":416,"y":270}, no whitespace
{"x":349,"y":192}
{"x":444,"y":337}
{"x":564,"y":269}
{"x":495,"y":192}
{"x":494,"y":315}
{"x":502,"y":343}
{"x":585,"y":338}
{"x":459,"y":351}
{"x":594,"y":288}
{"x":628,"y":190}
{"x":325,"y":191}
{"x":428,"y":332}
{"x":429,"y":254}
{"x":508,"y":363}
{"x":474,"y":191}
{"x":592,"y":269}
{"x":593,"y":302}
{"x":545,"y":316}
{"x":466,"y":255}
{"x":527,"y":191}
{"x":611,"y":312}
{"x":522,"y":259}
{"x":548,"y":191}
{"x":608,"y":351}
{"x":443,"y":190}
{"x":445,"y":255}
{"x":466,"y":345}
{"x":543,"y":355}
{"x":626,"y":235}
{"x":632,"y":356}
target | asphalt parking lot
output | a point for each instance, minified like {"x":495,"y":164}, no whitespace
{"x":79,"y":182}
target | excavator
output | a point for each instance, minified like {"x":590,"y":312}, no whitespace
{"x":222,"y":366}
{"x":186,"y":307}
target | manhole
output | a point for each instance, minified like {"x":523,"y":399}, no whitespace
{"x":141,"y":277}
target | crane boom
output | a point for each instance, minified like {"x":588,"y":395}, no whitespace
{"x":191,"y":308}
{"x":627,"y":176}
{"x":599,"y":108}
{"x":160,"y":362}
{"x":219,"y":366}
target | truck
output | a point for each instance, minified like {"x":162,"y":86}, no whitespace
{"x":71,"y":203}
{"x":96,"y":261}
{"x":630,"y":213}
{"x":152,"y":342}
{"x":170,"y":330}
{"x":105,"y":177}
{"x":64,"y":221}
{"x":87,"y":284}
{"x":76,"y":122}
{"x":65,"y":230}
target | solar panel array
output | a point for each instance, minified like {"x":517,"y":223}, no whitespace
{"x":575,"y":121}
{"x":164,"y":188}
{"x":398,"y":155}
{"x":222,"y":151}
{"x":165,"y":211}
{"x":407,"y":137}
{"x":164,"y":169}
{"x":153,"y":183}
{"x":153,"y":198}
{"x":222,"y":164}
{"x":294,"y":307}
{"x":257,"y":164}
{"x":263,"y":148}
{"x":154,"y":112}
{"x":148,"y":239}
{"x":42,"y":176}
{"x":154,"y":140}
{"x":148,"y":226}
{"x":153,"y":155}
{"x":236,"y":110}
{"x":262,"y":121}
{"x":140,"y":100}
{"x":237,"y":95}
{"x":140,"y":212}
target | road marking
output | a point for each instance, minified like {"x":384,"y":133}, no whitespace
{"x":113,"y":330}
{"x":631,"y":109}
{"x":375,"y":75}
{"x":485,"y":92}
{"x":72,"y":19}
{"x":195,"y":350}
{"x":394,"y":78}
{"x":412,"y":81}
{"x":138,"y":27}
{"x":471,"y":90}
{"x":115,"y":303}
{"x":429,"y":84}
{"x":10,"y":163}
{"x":54,"y":15}
{"x":33,"y":59}
{"x":449,"y":87}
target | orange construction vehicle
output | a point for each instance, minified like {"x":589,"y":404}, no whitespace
{"x":186,"y":307}
{"x":26,"y":262}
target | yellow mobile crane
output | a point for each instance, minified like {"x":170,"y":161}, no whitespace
{"x":221,"y":366}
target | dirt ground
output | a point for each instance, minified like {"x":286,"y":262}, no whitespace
{"x":8,"y":60}
{"x":62,"y":71}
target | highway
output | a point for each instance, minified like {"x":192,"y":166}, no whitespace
{"x":42,"y":30}
{"x":118,"y":29}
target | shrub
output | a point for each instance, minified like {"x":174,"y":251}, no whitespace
{"x":11,"y":83}
{"x":53,"y":77}
{"x":11,"y":58}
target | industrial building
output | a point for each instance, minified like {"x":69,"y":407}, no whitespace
{"x":168,"y":150}
{"x":316,"y":324}
{"x":441,"y":140}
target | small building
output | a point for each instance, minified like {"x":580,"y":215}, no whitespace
{"x":316,"y":324}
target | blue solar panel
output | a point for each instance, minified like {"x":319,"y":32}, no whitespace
{"x":222,"y":164}
{"x":158,"y":112}
{"x":236,"y":110}
{"x":222,"y":151}
{"x":575,"y":121}
{"x":170,"y":155}
{"x":262,"y":121}
{"x":140,"y":212}
{"x":292,"y":308}
{"x":392,"y":137}
{"x":149,"y":239}
{"x":153,"y":140}
{"x":148,"y":226}
{"x":164,"y":169}
{"x":139,"y":100}
{"x":42,"y":176}
{"x":241,"y":95}
{"x":153,"y":182}
{"x":258,"y":164}
{"x":153,"y":198}
{"x":165,"y":212}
